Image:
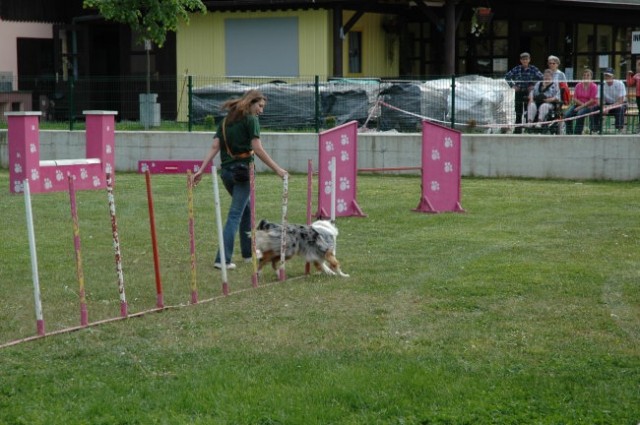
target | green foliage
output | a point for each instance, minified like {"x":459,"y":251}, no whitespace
{"x":209,"y":122}
{"x":525,"y":309}
{"x":151,"y":19}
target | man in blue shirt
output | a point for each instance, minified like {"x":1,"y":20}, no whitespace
{"x":522,"y":78}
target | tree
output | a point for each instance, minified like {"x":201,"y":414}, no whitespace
{"x":150,"y":19}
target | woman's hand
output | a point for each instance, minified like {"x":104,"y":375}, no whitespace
{"x":195,"y":178}
{"x":282,"y":172}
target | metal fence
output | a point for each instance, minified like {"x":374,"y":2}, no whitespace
{"x":191,"y":103}
{"x":294,"y":104}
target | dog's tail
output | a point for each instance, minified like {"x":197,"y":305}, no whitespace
{"x":325,"y":227}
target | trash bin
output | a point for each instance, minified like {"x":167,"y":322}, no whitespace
{"x":149,"y":109}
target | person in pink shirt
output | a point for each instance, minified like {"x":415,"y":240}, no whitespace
{"x":634,"y":80}
{"x":585,"y":99}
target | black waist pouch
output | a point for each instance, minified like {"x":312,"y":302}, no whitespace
{"x":240,"y":172}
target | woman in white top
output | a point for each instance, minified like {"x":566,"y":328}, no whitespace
{"x":554,"y":64}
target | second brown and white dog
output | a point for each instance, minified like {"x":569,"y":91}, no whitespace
{"x":315,"y":242}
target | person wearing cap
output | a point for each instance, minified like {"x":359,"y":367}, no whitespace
{"x":614,"y":99}
{"x":522,"y":78}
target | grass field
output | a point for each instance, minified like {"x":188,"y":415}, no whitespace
{"x":525,"y":309}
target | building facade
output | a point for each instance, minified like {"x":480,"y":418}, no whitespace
{"x":45,"y":43}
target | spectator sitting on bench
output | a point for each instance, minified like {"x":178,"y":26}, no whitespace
{"x":586,"y":98}
{"x":614,"y":95}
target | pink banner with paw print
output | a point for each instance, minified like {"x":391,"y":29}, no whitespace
{"x":52,"y":175}
{"x":340,"y":143}
{"x":441,"y":169}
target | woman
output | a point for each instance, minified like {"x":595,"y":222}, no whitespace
{"x":543,"y":98}
{"x":554,"y":65}
{"x":237,"y":140}
{"x":585,"y":100}
{"x":634,"y":80}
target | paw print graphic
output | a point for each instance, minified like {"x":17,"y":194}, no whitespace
{"x":83,"y":173}
{"x":435,"y":186}
{"x":17,"y":168}
{"x":341,"y":205}
{"x":330,"y":165}
{"x":344,"y":183}
{"x":329,"y":146}
{"x":344,"y":156}
{"x":196,"y":168}
{"x":96,"y":181}
{"x":32,"y":148}
{"x":448,"y":142}
{"x":144,"y":167}
{"x":35,"y":174}
{"x":327,"y":187}
{"x":448,"y":167}
{"x":108,"y":149}
{"x":108,"y":168}
{"x":59,"y":175}
{"x":344,"y":140}
{"x":48,"y":184}
{"x":435,"y":154}
{"x":18,"y":186}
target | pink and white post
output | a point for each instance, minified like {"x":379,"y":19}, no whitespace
{"x":441,"y":169}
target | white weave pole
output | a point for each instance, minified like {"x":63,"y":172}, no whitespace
{"x":333,"y":201}
{"x":223,"y":260}
{"x":34,"y":259}
{"x":283,"y":235}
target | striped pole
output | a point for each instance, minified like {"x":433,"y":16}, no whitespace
{"x":84,"y":315}
{"x":252,"y":205}
{"x":223,"y":260}
{"x":154,"y":242}
{"x":333,"y":200}
{"x":116,"y":246}
{"x":283,"y":237}
{"x":34,"y":259}
{"x":192,"y":239}
{"x":307,"y":266}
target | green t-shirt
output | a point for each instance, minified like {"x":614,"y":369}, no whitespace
{"x":239,"y":137}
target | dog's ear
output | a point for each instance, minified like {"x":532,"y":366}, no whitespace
{"x":262,"y":225}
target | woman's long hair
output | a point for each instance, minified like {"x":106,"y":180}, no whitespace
{"x":239,"y":108}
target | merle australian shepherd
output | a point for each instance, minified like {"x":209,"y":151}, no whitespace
{"x":314,"y":242}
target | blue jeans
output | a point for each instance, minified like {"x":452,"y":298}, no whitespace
{"x":579,"y":122}
{"x":618,"y":115}
{"x":238,"y":219}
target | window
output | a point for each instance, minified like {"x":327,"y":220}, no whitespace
{"x":262,"y":47}
{"x":355,"y":52}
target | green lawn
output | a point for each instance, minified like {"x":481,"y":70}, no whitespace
{"x":525,"y":309}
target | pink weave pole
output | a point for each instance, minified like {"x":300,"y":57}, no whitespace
{"x":116,"y":246}
{"x":252,"y":205}
{"x":154,"y":242}
{"x":84,"y":315}
{"x":192,"y":239}
{"x":307,"y":265}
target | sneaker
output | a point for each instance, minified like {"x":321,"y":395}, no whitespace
{"x":230,"y":266}
{"x":247,"y":259}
